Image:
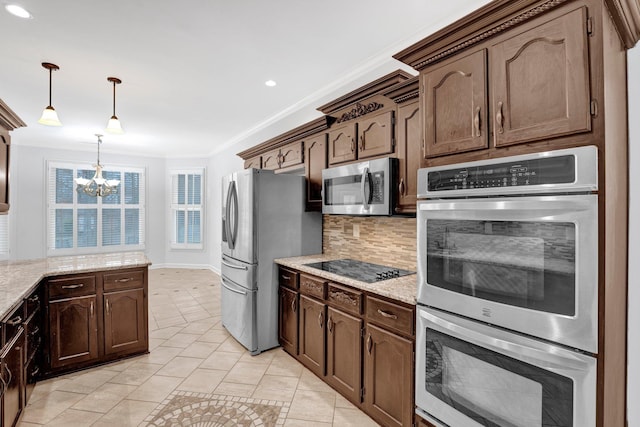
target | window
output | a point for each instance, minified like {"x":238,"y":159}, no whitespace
{"x":79,"y":223}
{"x":186,"y":208}
{"x":4,"y":236}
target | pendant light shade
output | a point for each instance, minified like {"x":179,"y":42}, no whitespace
{"x":114,"y":126}
{"x":49,"y":116}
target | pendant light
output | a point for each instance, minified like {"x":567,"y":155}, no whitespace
{"x":49,"y":116}
{"x":114,"y":126}
{"x":98,"y":185}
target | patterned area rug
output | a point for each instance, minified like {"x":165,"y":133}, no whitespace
{"x":184,"y":408}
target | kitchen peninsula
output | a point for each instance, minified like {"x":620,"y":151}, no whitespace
{"x":66,"y":313}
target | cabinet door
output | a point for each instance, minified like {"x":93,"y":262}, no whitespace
{"x":312,"y":342}
{"x":388,"y":377}
{"x":288,"y":326}
{"x":375,"y":135}
{"x":344,"y":353}
{"x":540,"y":81}
{"x":455,"y":106}
{"x":73,"y":327}
{"x":5,"y":142}
{"x":271,"y":160}
{"x":315,"y":159}
{"x":291,"y":155}
{"x":409,"y":156}
{"x":342,"y":144}
{"x":125,"y":326}
{"x":11,"y":363}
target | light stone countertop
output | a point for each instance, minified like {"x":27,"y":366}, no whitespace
{"x":19,"y":278}
{"x":403,"y":288}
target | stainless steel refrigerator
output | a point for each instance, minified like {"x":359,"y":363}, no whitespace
{"x":263,"y":218}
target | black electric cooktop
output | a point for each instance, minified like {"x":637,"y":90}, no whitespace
{"x":360,"y":270}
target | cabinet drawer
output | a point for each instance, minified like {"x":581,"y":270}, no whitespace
{"x":390,"y":315}
{"x":72,"y":286}
{"x":346,"y":298}
{"x":313,"y":286}
{"x":288,"y":278}
{"x":123,"y":280}
{"x":12,"y":323}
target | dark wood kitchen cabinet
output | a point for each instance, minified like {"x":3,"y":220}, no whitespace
{"x":9,"y":121}
{"x":95,"y":318}
{"x":287,"y":157}
{"x":374,"y":373}
{"x":529,"y":84}
{"x":12,"y":356}
{"x":342,"y":143}
{"x":288,"y":325}
{"x":315,"y":160}
{"x":33,"y":326}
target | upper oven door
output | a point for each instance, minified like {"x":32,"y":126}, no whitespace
{"x":528,"y":263}
{"x":358,"y":189}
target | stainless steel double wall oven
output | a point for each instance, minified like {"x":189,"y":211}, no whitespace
{"x":507,"y":319}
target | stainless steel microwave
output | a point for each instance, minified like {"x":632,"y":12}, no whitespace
{"x":364,"y":188}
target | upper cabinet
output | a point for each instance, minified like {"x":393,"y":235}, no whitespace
{"x":286,"y":157}
{"x":540,"y":81}
{"x":8,"y":122}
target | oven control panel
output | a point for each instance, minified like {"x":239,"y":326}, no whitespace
{"x":522,"y":173}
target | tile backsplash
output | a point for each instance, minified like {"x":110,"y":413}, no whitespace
{"x":381,"y":240}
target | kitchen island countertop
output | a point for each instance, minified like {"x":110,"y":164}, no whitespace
{"x":19,"y":278}
{"x":401,"y":289}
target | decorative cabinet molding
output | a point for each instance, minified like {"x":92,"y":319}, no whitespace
{"x":626,"y":16}
{"x":8,"y":121}
{"x":360,"y":110}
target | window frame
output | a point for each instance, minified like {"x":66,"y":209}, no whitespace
{"x":174,"y":208}
{"x":51,"y":206}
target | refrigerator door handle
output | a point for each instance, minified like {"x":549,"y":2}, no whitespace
{"x":237,"y":267}
{"x":233,"y":290}
{"x":231,"y":195}
{"x":234,"y":196}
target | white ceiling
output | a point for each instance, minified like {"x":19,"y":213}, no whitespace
{"x":193,"y":72}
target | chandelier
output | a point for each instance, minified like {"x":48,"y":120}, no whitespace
{"x":97,"y":186}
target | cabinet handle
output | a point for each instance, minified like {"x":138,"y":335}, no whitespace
{"x":91,"y":308}
{"x":15,"y":321}
{"x":320,"y":320}
{"x":124,"y":280}
{"x":285,"y":277}
{"x":107,"y":303}
{"x":330,"y":324}
{"x":353,"y":145}
{"x":369,"y":344}
{"x":35,"y":372}
{"x":34,"y":298}
{"x":35,"y":331}
{"x":77,"y":285}
{"x":401,"y":187}
{"x":293,"y":305}
{"x":476,"y":121}
{"x":499,"y":118}
{"x":387,"y":314}
{"x":361,"y":143}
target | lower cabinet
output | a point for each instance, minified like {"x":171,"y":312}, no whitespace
{"x":389,"y":376}
{"x":312,"y":347}
{"x":344,"y":353}
{"x":95,"y":318}
{"x":73,"y":331}
{"x":362,"y":345}
{"x":11,"y":366}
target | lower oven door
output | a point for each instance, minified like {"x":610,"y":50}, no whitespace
{"x":472,"y":374}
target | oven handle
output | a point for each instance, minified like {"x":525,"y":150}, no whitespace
{"x":363,"y":181}
{"x":546,"y":356}
{"x":534,"y":206}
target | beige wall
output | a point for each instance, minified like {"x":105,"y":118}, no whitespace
{"x":383,"y":240}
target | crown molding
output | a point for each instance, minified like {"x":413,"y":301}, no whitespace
{"x":626,"y":18}
{"x":405,"y":91}
{"x":8,"y":119}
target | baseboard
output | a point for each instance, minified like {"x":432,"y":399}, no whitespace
{"x":186,"y":266}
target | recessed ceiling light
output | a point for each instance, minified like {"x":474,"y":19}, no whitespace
{"x":18,"y":11}
{"x":270,"y":83}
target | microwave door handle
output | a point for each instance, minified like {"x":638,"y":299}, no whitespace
{"x":363,"y":188}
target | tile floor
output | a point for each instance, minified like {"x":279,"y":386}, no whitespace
{"x":189,"y":351}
